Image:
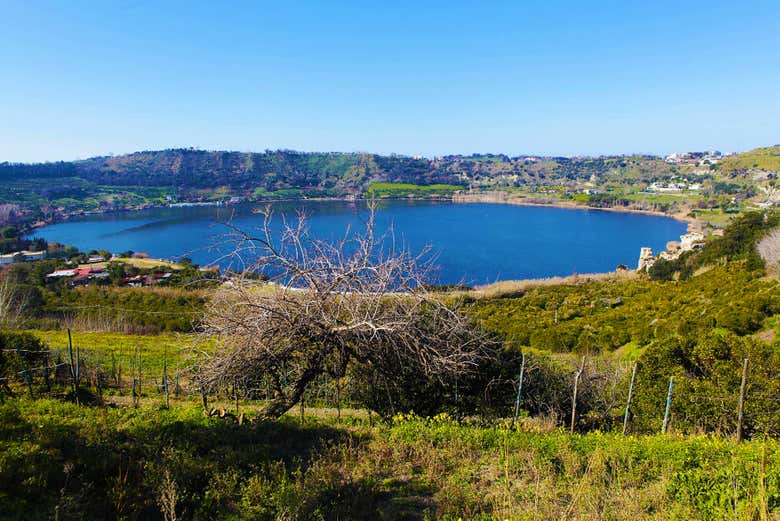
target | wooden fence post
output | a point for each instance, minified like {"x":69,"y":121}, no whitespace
{"x":165,"y":384}
{"x":519,"y":388}
{"x":119,"y":369}
{"x":665,"y":426}
{"x":99,"y":384}
{"x":138,"y":367}
{"x":574,"y":394}
{"x":204,"y":399}
{"x":338,"y":399}
{"x":133,"y":392}
{"x":25,"y":370}
{"x":46,"y":375}
{"x":235,"y":393}
{"x":741,"y":409}
{"x":73,"y":370}
{"x":78,"y":366}
{"x":628,"y":401}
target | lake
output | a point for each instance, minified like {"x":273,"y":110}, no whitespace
{"x":475,"y":243}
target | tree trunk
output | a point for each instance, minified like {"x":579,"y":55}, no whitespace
{"x":282,"y":404}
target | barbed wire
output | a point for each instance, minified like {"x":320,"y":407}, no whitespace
{"x":124,"y":310}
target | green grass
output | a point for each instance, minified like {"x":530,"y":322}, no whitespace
{"x":767,"y":158}
{"x":716,"y":218}
{"x":155,"y":350}
{"x":61,"y":460}
{"x":406,"y":189}
{"x":292,"y":193}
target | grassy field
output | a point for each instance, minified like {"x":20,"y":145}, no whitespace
{"x":138,"y":263}
{"x":58,"y":460}
{"x":155,"y":350}
{"x":715,"y":218}
{"x":407,"y":190}
{"x":767,"y":158}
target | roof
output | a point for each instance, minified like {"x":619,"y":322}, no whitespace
{"x":63,"y":273}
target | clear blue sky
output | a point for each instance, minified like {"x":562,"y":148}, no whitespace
{"x":548,"y":77}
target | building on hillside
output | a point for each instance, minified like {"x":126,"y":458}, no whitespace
{"x":85,"y":276}
{"x":691,"y":240}
{"x":80,"y":276}
{"x":646,"y":259}
{"x":22,"y":256}
{"x":59,"y":274}
{"x":146,"y":280}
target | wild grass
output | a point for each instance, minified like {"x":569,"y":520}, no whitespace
{"x":512,"y":287}
{"x":57,"y":459}
{"x":137,"y":262}
{"x":155,"y":350}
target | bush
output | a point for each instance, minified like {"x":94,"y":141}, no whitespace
{"x":20,"y":353}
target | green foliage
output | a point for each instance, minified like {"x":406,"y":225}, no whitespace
{"x":767,"y":158}
{"x":150,"y":177}
{"x":11,"y":240}
{"x":663,"y":269}
{"x":19,"y":354}
{"x":118,"y":463}
{"x":382,"y":190}
{"x":140,"y":310}
{"x":552,"y":318}
{"x":739,"y":239}
{"x":171,"y":349}
{"x":707,"y":371}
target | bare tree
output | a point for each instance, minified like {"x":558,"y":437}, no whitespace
{"x":769,"y":249}
{"x":358,"y":299}
{"x":13,"y":303}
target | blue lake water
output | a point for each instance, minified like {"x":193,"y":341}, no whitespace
{"x":474,"y":243}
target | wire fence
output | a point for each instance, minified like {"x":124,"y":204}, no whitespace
{"x":755,"y":406}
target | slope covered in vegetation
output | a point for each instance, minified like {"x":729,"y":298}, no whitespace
{"x":49,"y":190}
{"x":767,"y":158}
{"x":61,"y":461}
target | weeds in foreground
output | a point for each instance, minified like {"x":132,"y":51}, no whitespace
{"x":148,"y":463}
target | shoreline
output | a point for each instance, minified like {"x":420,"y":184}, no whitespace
{"x":493,"y":198}
{"x":483,"y":198}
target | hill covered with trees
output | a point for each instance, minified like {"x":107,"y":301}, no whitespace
{"x":46,"y":191}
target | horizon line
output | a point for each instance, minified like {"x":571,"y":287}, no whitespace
{"x":388,"y":154}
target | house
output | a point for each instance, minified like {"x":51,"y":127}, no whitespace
{"x":145,"y":280}
{"x":62,"y":273}
{"x":85,"y":275}
{"x":690,"y":240}
{"x":22,"y":256}
{"x":92,"y":259}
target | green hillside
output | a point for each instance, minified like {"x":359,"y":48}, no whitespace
{"x":52,"y":191}
{"x":767,"y":158}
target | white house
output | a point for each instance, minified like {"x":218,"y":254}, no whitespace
{"x":23,"y":255}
